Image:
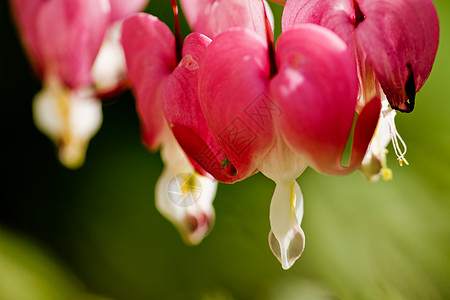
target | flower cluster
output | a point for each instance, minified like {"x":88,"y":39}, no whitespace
{"x":74,"y":48}
{"x":224,"y":102}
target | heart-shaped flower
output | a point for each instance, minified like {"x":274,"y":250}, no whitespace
{"x":276,"y":111}
{"x":155,"y":61}
{"x":394,"y":45}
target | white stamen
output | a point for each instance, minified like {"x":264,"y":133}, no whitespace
{"x":398,"y":143}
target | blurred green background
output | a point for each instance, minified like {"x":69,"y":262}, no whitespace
{"x":94,"y":233}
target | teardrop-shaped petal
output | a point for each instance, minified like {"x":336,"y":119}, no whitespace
{"x":183,"y":196}
{"x":149,"y":48}
{"x":316,"y":88}
{"x":286,"y":238}
{"x":70,"y":33}
{"x":186,"y":201}
{"x":122,"y":8}
{"x":233,"y":94}
{"x":400,"y":39}
{"x":211,"y":17}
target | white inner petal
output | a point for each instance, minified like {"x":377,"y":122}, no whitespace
{"x":183,"y":196}
{"x":282,"y":163}
{"x":109,"y":67}
{"x":286,"y":238}
{"x":68,"y":117}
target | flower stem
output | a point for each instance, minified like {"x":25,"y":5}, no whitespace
{"x":177,"y":33}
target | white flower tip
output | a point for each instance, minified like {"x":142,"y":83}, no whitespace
{"x":197,"y":226}
{"x":72,"y":155}
{"x":371,"y":167}
{"x":186,"y":201}
{"x":288,"y":250}
{"x":286,"y":238}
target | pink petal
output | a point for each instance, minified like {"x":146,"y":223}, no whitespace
{"x":316,"y":88}
{"x":190,"y":129}
{"x":233,"y":94}
{"x":182,"y":108}
{"x":69,"y":33}
{"x":212,"y":17}
{"x":400,"y":39}
{"x":364,"y":130}
{"x":149,"y":48}
{"x":122,"y":8}
{"x":332,"y":14}
{"x":24,"y":13}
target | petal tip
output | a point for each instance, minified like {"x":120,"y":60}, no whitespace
{"x":289,"y":249}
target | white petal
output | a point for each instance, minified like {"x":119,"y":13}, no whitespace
{"x":109,"y":67}
{"x":183,"y":196}
{"x":282,"y":163}
{"x":69,"y":118}
{"x":286,"y":238}
{"x":173,"y":155}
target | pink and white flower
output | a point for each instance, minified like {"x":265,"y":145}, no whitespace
{"x":394,"y":45}
{"x":62,"y":39}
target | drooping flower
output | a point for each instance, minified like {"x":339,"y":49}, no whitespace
{"x":394,"y":45}
{"x":164,"y":75}
{"x":154,"y":60}
{"x":62,"y":39}
{"x":277,"y":112}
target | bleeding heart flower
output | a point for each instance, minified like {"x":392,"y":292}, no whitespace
{"x":62,"y":39}
{"x":394,"y":43}
{"x":155,"y":61}
{"x":276,"y":112}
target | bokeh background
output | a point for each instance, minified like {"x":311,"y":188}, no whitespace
{"x":95,"y":233}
